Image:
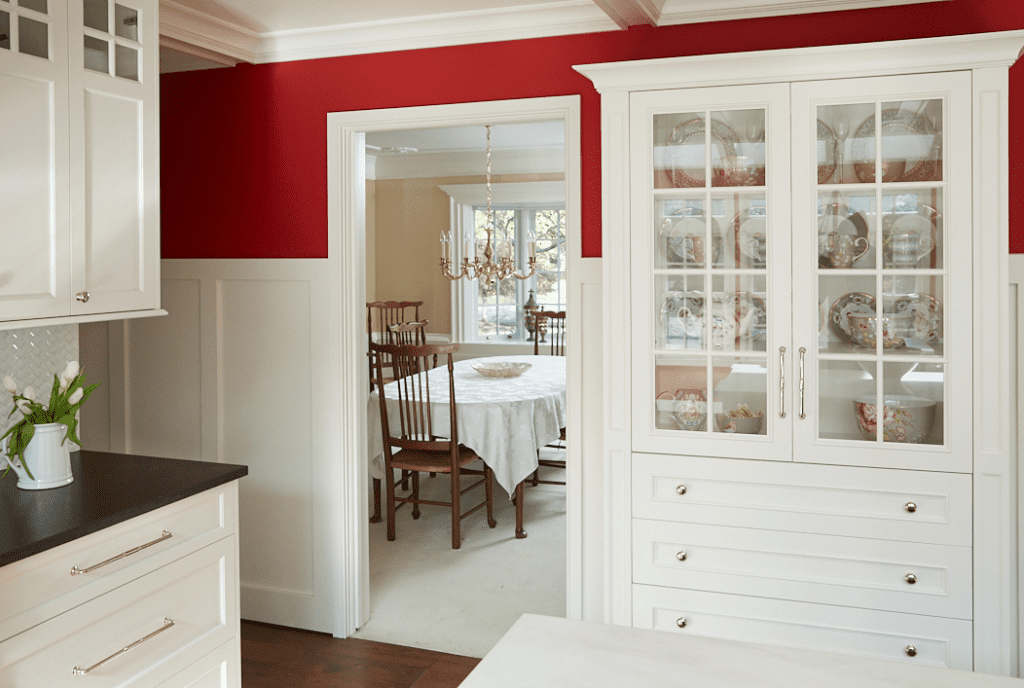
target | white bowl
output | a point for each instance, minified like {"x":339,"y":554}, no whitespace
{"x":740,"y":426}
{"x":906,"y":418}
{"x":501,"y":368}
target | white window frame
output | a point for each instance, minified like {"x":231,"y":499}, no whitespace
{"x":463,"y":199}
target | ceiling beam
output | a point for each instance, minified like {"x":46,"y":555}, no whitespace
{"x":627,"y":13}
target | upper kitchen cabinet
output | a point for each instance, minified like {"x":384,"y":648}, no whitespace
{"x":79,"y":160}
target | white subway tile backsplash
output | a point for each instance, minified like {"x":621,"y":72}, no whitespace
{"x":32,"y":356}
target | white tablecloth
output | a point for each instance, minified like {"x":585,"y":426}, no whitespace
{"x":504,"y":420}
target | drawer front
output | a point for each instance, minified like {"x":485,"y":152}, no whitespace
{"x":909,"y":506}
{"x":42,"y":586}
{"x":219,"y":669}
{"x":854,"y":572}
{"x":861,"y":632}
{"x":179,"y":612}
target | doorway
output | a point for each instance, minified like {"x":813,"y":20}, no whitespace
{"x":347,"y":251}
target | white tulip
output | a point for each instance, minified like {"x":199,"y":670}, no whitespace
{"x":9,"y":384}
{"x":76,"y":396}
{"x":69,"y":374}
{"x":24,"y":408}
{"x":30,"y":393}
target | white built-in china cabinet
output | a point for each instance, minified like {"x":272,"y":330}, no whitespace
{"x":808,"y":438}
{"x":79,"y":123}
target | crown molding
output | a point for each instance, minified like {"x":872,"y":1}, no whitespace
{"x":466,"y":163}
{"x":628,"y":13}
{"x":695,"y":11}
{"x":460,"y":28}
{"x":196,"y":33}
{"x":507,"y":193}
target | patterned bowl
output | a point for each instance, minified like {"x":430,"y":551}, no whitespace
{"x":501,"y":368}
{"x":895,"y":329}
{"x":740,"y":426}
{"x":906,"y":418}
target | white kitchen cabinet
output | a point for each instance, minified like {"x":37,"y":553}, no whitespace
{"x":758,"y":233}
{"x":80,"y":234}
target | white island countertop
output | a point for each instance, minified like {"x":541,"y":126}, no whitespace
{"x":542,"y":651}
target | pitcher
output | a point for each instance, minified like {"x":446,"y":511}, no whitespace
{"x":48,"y":457}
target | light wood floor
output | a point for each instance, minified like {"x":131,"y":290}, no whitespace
{"x":278,"y":657}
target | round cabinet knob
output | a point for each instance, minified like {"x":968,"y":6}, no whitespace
{"x":681,"y":556}
{"x":910,"y":578}
{"x":681,"y":622}
{"x":82,"y":296}
{"x":910,"y":506}
{"x":681,"y":490}
{"x":910,"y":650}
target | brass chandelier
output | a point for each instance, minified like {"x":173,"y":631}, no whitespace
{"x":487,"y":269}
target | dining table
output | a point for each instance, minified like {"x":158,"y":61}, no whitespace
{"x":504,"y":420}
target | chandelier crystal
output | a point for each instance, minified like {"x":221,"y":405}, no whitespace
{"x":487,"y":269}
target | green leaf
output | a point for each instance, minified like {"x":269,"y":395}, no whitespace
{"x":71,"y":433}
{"x":56,"y":390}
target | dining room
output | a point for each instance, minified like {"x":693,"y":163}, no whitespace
{"x":501,"y":184}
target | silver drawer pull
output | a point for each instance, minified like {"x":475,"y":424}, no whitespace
{"x":77,"y":671}
{"x":75,"y":571}
{"x":681,"y":556}
{"x":681,"y":490}
{"x":910,"y":578}
{"x":681,"y":622}
{"x":910,"y":506}
{"x":910,"y":650}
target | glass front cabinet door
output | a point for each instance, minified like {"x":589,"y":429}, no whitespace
{"x":799,"y":253}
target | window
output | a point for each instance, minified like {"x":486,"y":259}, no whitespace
{"x":497,"y":309}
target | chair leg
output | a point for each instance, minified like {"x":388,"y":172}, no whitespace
{"x":535,"y":477}
{"x":376,"y":501}
{"x":489,"y":487}
{"x":456,"y":510}
{"x":391,"y":506}
{"x":415,"y":493}
{"x":520,"y":494}
{"x":405,"y":480}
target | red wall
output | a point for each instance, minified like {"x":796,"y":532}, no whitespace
{"x":244,"y":150}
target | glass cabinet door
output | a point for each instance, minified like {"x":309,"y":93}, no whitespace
{"x":882,"y":267}
{"x":710,"y":265}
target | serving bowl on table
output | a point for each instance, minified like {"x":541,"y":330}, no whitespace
{"x":501,"y":368}
{"x":905,"y":418}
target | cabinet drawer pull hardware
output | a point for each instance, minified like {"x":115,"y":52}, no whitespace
{"x":782,"y":382}
{"x":78,"y":671}
{"x":681,"y":556}
{"x":82,"y":296}
{"x":75,"y":571}
{"x":910,"y":650}
{"x":910,"y":506}
{"x":803,"y":351}
{"x":681,"y":490}
{"x":910,"y":578}
{"x":681,"y":622}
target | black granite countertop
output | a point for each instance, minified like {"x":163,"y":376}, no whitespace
{"x":108,"y":489}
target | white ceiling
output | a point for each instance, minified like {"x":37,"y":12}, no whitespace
{"x":225,"y":32}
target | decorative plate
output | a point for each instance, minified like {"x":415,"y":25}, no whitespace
{"x":685,"y":134}
{"x":927,"y":222}
{"x":742,"y":302}
{"x":681,"y":316}
{"x":837,"y":217}
{"x":501,"y":368}
{"x":749,"y":237}
{"x":918,"y":144}
{"x":677,"y":232}
{"x":927,"y":313}
{"x":838,"y":315}
{"x":827,"y":153}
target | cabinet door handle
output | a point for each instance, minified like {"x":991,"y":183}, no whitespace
{"x":82,"y":296}
{"x":782,"y":382}
{"x":75,"y":571}
{"x":803,"y":351}
{"x":681,"y":622}
{"x":78,"y":671}
{"x":910,"y":650}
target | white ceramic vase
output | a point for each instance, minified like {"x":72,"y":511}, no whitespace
{"x":47,"y":457}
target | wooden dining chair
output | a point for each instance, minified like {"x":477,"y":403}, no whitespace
{"x":419,"y":449}
{"x":549,"y":326}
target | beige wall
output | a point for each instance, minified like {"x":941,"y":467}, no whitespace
{"x":410,"y":215}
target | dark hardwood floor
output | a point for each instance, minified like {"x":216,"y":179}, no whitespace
{"x":279,"y":657}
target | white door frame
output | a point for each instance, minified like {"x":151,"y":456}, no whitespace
{"x":346,"y":217}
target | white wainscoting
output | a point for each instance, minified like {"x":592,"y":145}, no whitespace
{"x":1016,"y":328}
{"x":242,"y":370}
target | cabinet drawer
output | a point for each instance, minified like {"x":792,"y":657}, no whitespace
{"x":195,"y":593}
{"x":862,"y":632}
{"x":219,"y":669}
{"x":832,"y":500}
{"x":42,"y":586}
{"x":854,"y":572}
